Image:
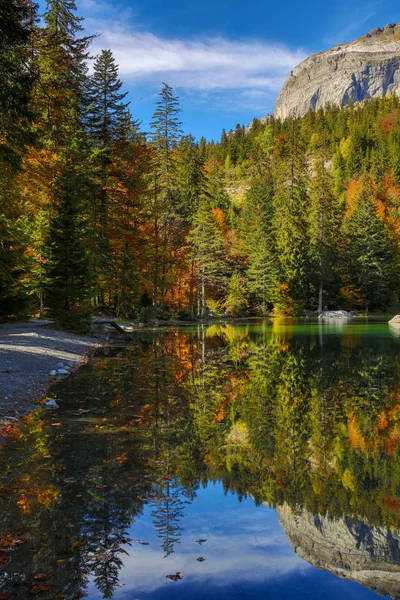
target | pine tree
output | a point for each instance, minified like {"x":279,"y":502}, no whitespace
{"x":165,"y":134}
{"x":290,"y":224}
{"x":109,"y":127}
{"x":16,"y":115}
{"x":255,"y":227}
{"x":369,"y":255}
{"x":208,"y":253}
{"x":324,"y":228}
{"x":107,"y":114}
{"x":68,"y":278}
{"x":17,"y":19}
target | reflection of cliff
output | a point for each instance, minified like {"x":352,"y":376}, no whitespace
{"x":349,"y":548}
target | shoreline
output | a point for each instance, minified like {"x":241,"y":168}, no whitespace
{"x":33,"y":357}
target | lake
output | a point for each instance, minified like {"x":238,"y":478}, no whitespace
{"x":214,"y":462}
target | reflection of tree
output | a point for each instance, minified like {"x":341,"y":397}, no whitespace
{"x":275,"y":416}
{"x":168,"y":505}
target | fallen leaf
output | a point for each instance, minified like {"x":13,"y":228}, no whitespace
{"x":39,"y":588}
{"x":175,"y":576}
{"x":201,"y":559}
{"x":200,"y":541}
{"x":40,"y":576}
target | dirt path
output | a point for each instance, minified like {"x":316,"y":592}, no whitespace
{"x":30,"y":354}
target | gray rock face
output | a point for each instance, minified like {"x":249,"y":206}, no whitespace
{"x":347,"y":547}
{"x":366,"y":68}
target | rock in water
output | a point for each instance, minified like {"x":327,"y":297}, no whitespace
{"x":395,"y":320}
{"x":335,"y":314}
{"x":365,"y":68}
{"x":51,"y":404}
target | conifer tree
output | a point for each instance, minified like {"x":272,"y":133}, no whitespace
{"x":110,"y":127}
{"x":324,"y":229}
{"x":290,"y":223}
{"x":208,"y":253}
{"x":165,"y":134}
{"x":369,"y":255}
{"x":107,"y":114}
{"x":16,"y":114}
{"x":68,"y":281}
{"x":256,"y":220}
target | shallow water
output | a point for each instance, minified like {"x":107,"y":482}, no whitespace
{"x":232,"y":444}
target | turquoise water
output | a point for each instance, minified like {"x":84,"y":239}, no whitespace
{"x":270,"y":453}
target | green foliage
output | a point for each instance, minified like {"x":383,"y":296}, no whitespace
{"x":68,"y":279}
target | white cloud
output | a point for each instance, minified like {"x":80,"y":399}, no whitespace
{"x":207,"y":64}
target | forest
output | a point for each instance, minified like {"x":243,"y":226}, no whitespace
{"x":96,"y":214}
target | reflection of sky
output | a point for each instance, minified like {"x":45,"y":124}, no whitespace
{"x":247,"y":557}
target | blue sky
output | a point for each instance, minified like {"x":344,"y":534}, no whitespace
{"x":226,"y":60}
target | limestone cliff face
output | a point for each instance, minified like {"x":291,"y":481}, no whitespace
{"x":349,"y":548}
{"x":366,"y":68}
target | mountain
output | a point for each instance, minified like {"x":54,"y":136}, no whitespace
{"x":369,"y":67}
{"x":349,"y":548}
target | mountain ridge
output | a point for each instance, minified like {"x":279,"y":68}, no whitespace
{"x":367,"y":67}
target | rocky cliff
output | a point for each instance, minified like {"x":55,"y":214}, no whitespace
{"x":349,"y":548}
{"x":366,"y":68}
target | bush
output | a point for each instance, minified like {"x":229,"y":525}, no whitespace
{"x":77,"y":320}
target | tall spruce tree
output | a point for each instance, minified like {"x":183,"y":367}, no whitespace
{"x":324,"y":232}
{"x":109,"y":127}
{"x":107,"y":114}
{"x":165,"y":134}
{"x":290,"y":223}
{"x":259,"y":241}
{"x":16,"y":80}
{"x":369,"y":255}
{"x":68,"y":278}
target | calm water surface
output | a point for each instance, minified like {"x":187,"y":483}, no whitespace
{"x":229,"y":461}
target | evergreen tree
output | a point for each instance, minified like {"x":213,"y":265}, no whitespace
{"x":68,"y":281}
{"x":107,"y":114}
{"x":324,"y":229}
{"x":109,"y":126}
{"x":165,"y":134}
{"x":290,"y":224}
{"x":208,"y":253}
{"x":369,"y":256}
{"x":16,"y":80}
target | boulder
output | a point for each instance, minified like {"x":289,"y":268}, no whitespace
{"x":335,"y":314}
{"x":395,"y":320}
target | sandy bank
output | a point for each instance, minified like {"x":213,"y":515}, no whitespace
{"x":28,"y":353}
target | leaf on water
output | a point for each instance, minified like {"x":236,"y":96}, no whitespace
{"x":174,"y":576}
{"x":142,"y":543}
{"x":201,"y":559}
{"x":56,"y":424}
{"x":40,"y":576}
{"x":36,"y":589}
{"x":201,"y":541}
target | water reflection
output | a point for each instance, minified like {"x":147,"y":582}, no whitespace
{"x":304,"y":418}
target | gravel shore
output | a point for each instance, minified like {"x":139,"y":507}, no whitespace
{"x":30,"y":357}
